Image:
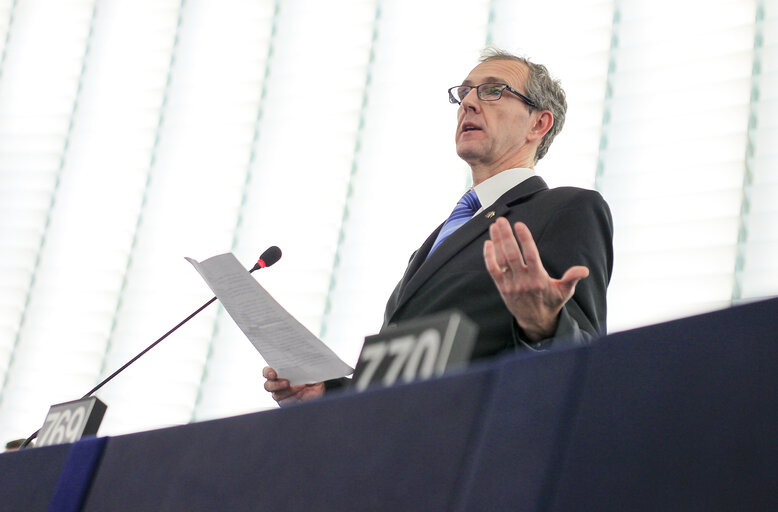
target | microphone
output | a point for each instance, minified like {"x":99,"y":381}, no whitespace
{"x":269,"y":257}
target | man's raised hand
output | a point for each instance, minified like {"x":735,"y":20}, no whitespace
{"x":530,"y":294}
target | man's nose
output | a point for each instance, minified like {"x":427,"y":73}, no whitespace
{"x":471,"y":101}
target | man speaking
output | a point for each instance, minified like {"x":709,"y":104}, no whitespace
{"x":528,"y":264}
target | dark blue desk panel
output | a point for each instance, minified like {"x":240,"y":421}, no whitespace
{"x":28,"y":477}
{"x":381,"y":450}
{"x":678,"y":416}
{"x":524,"y":431}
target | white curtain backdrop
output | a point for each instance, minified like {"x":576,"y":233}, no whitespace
{"x":134,"y":133}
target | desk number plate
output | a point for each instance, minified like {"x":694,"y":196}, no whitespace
{"x":70,"y":421}
{"x":418,"y":349}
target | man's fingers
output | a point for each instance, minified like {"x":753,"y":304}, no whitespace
{"x":496,"y":244}
{"x":507,"y":251}
{"x":570,"y":280}
{"x":291,"y":393}
{"x":491,"y":260}
{"x":276,"y":385}
{"x":287,"y":400}
{"x":287,"y":393}
{"x":528,"y":248}
{"x":284,"y":393}
{"x":575,"y":273}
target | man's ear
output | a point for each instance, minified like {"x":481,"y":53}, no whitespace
{"x":541,"y":126}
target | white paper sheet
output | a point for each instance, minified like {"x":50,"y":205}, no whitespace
{"x":287,"y":346}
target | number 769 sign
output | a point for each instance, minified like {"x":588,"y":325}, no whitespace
{"x":69,"y":421}
{"x":418,"y":349}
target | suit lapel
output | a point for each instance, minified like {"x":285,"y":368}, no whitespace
{"x":418,"y":258}
{"x":419,"y":270}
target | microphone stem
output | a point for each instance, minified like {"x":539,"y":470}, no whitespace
{"x":128,"y":363}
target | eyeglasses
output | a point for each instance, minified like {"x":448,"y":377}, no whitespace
{"x":486,"y":92}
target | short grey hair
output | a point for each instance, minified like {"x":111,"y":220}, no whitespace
{"x":544,"y":90}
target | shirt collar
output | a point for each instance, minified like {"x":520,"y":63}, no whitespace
{"x":490,"y":190}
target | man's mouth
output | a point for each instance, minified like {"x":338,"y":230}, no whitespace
{"x":469,"y":127}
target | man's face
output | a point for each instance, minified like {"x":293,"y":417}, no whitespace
{"x":493,"y":133}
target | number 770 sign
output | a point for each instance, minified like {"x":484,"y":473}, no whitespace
{"x":418,"y":349}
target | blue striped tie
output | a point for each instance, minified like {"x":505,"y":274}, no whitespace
{"x":463,"y":212}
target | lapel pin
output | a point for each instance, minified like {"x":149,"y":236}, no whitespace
{"x":490,"y":214}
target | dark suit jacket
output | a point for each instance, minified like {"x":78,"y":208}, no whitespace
{"x":571,"y":226}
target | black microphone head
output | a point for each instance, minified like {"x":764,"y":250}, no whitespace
{"x":270,"y":256}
